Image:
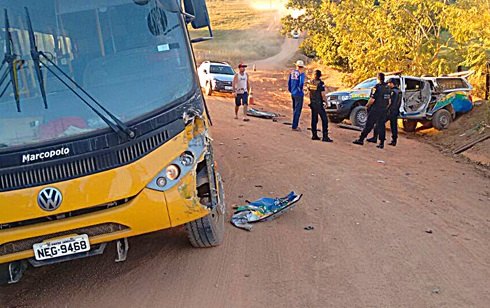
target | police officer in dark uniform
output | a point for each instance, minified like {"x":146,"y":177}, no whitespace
{"x":316,"y":88}
{"x":394,"y":109}
{"x":377,"y":109}
{"x":393,"y":112}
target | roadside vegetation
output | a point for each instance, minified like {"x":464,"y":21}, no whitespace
{"x":418,"y":37}
{"x":242,"y":32}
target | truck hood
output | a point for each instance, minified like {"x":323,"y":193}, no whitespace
{"x":354,"y":94}
{"x":222,"y":77}
{"x":339,"y":93}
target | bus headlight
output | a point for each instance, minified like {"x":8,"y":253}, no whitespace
{"x":161,"y":181}
{"x":172,"y":172}
{"x":181,"y":166}
{"x":187,"y":159}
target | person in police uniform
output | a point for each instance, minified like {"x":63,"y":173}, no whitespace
{"x":377,"y":109}
{"x":393,"y":112}
{"x":316,"y":89}
{"x":394,"y":109}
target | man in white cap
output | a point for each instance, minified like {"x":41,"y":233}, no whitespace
{"x":296,"y":83}
{"x":241,"y":88}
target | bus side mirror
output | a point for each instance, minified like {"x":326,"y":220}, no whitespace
{"x":199,"y":10}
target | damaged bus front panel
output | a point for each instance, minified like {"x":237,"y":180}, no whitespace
{"x":97,"y":143}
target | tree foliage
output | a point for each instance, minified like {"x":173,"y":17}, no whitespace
{"x":418,"y":37}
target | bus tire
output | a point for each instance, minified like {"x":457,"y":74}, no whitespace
{"x":442,"y":119}
{"x":209,"y":231}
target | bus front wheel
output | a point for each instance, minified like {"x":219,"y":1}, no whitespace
{"x":209,"y":230}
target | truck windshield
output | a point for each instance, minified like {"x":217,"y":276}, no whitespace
{"x":367,"y":84}
{"x":132,"y":57}
{"x":221,"y":69}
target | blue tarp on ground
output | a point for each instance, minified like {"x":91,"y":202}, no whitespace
{"x":264,"y":209}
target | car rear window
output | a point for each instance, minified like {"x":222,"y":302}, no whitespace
{"x":413,"y":84}
{"x":222,"y":69}
{"x":445,"y":84}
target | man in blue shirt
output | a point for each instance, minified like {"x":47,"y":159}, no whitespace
{"x":296,"y":83}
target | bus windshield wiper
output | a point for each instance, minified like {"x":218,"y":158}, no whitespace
{"x":11,"y":61}
{"x":118,"y":126}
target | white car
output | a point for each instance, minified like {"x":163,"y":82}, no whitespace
{"x":216,"y":76}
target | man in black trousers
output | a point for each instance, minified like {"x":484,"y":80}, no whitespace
{"x":316,"y":88}
{"x":393,"y":112}
{"x":377,"y":109}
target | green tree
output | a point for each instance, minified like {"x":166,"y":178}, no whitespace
{"x":417,"y":37}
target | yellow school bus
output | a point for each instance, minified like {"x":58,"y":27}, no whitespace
{"x":104,"y":132}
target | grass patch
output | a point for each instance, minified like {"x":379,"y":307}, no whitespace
{"x":241,"y":32}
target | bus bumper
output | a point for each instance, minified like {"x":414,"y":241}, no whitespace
{"x":147,"y":212}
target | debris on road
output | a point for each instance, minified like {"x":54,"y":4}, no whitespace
{"x":351,"y":127}
{"x":265,"y":209}
{"x":436,"y":291}
{"x":309,"y":228}
{"x":381,"y":162}
{"x":261,"y":114}
{"x":428,"y":231}
{"x":468,"y":146}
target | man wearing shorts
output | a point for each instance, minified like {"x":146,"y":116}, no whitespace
{"x":241,"y":88}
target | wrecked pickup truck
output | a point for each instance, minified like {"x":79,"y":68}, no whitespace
{"x":432,"y":101}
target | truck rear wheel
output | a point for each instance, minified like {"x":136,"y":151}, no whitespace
{"x":209,"y":230}
{"x":441,"y":119}
{"x":409,"y":126}
{"x":358,"y":116}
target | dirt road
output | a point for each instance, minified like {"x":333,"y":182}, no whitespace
{"x":369,"y":246}
{"x":279,"y":61}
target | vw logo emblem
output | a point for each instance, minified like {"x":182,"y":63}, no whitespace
{"x":49,"y":199}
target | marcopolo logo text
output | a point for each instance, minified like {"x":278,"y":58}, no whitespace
{"x":29,"y":158}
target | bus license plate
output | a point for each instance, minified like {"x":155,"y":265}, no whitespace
{"x":61,"y":247}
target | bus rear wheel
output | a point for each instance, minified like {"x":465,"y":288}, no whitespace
{"x":209,"y":230}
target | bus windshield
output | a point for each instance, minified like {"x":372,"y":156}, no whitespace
{"x":132,"y":56}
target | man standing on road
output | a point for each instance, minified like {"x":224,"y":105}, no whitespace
{"x":377,"y":106}
{"x":296,"y":83}
{"x":316,"y":88}
{"x":394,"y":109}
{"x":241,"y":88}
{"x":393,"y":112}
